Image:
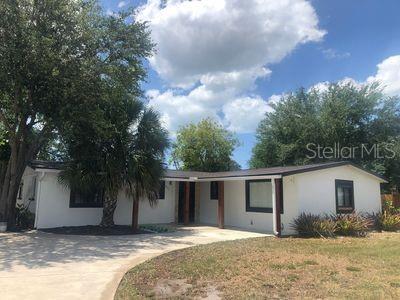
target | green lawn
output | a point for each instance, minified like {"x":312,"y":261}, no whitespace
{"x":269,"y":267}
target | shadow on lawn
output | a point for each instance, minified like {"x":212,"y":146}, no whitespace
{"x":39,"y":249}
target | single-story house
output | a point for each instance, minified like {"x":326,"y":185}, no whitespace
{"x":265,"y":200}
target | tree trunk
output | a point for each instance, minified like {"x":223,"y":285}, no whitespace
{"x":135,"y":215}
{"x":110,"y":203}
{"x":21,"y":154}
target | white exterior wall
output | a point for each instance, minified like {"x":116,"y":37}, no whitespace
{"x":53,"y":206}
{"x":162,"y":212}
{"x":28,"y":197}
{"x":235,"y":209}
{"x":290,"y":204}
{"x":314,"y":192}
{"x":54,"y":210}
{"x":208,"y":207}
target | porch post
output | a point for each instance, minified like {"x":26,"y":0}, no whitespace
{"x":221,"y":204}
{"x":278,"y":201}
{"x":186,"y":204}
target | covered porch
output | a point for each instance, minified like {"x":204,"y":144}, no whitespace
{"x":218,"y":200}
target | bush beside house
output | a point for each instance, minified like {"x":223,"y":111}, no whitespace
{"x":354,"y":224}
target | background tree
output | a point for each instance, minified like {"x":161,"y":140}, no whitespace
{"x":205,"y":146}
{"x":344,"y":114}
{"x":57,"y":59}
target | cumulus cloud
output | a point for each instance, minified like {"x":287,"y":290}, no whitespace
{"x":211,"y":52}
{"x":388,"y":75}
{"x":121,"y":4}
{"x":199,"y":37}
{"x":244,"y":114}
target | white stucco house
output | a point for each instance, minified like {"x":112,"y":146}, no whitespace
{"x":247,"y":199}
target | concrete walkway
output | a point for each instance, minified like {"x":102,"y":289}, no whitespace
{"x":39,"y":265}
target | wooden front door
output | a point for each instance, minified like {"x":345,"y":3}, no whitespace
{"x":181,"y":203}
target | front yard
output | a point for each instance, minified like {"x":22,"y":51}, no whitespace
{"x":275,"y":268}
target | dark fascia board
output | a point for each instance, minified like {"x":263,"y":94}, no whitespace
{"x":60,"y":165}
{"x":338,"y":164}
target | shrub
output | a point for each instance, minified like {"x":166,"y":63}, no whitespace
{"x":387,"y":206}
{"x":386,"y":221}
{"x":309,"y":225}
{"x":353,"y":224}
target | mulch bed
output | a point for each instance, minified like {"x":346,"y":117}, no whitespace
{"x":95,"y":230}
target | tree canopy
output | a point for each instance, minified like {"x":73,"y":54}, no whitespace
{"x":345,"y":116}
{"x":205,"y":146}
{"x":59,"y":60}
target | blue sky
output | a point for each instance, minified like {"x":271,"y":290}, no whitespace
{"x":213,"y":64}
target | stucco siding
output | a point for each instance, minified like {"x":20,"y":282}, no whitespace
{"x":53,"y":206}
{"x":208,"y":207}
{"x":235,"y":209}
{"x":316,"y":190}
{"x":290,"y":204}
{"x":54,"y":210}
{"x":28,"y":195}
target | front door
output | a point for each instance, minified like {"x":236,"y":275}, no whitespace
{"x":181,"y":205}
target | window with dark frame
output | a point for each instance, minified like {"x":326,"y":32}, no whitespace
{"x":344,"y":196}
{"x":214,"y":190}
{"x":93,"y":198}
{"x":161,"y":192}
{"x":259,"y":196}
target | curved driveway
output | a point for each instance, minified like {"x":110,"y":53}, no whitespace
{"x":39,"y":265}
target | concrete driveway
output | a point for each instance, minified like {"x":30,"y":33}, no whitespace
{"x":39,"y":265}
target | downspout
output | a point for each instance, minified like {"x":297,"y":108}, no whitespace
{"x":38,"y":191}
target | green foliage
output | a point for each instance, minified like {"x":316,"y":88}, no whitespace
{"x":63,"y":66}
{"x":205,"y":146}
{"x":353,"y":224}
{"x":24,"y":218}
{"x":344,"y":114}
{"x":310,"y":225}
{"x":388,"y":219}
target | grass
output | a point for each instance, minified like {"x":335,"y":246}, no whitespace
{"x":274,"y":268}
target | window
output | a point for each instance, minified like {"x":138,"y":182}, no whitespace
{"x":92,"y":198}
{"x":344,"y":196}
{"x":161,"y":192}
{"x":214,"y":190}
{"x":259,"y":196}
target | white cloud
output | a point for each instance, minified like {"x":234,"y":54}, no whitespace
{"x":195,"y":38}
{"x":324,"y":85}
{"x":388,"y":75}
{"x":215,"y":50}
{"x":244,"y":114}
{"x":121,"y":4}
{"x":334,"y":54}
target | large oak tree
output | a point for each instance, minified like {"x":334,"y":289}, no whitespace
{"x":57,"y":60}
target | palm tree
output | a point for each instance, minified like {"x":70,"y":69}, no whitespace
{"x":128,"y":154}
{"x":145,"y":165}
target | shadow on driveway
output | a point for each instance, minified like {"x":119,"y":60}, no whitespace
{"x":39,"y":249}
